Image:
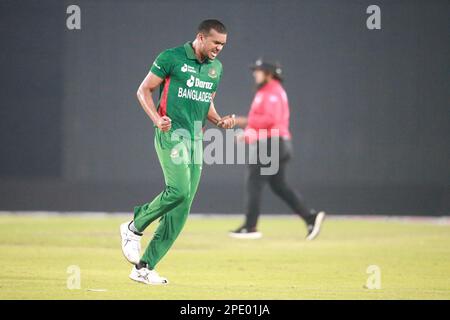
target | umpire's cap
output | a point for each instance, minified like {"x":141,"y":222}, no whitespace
{"x":272,"y":67}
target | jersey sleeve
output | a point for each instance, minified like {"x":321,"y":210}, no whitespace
{"x":219,"y":77}
{"x":162,"y":66}
{"x":221,"y":74}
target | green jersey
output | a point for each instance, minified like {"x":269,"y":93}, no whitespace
{"x":188,"y":87}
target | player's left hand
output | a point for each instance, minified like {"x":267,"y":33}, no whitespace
{"x":227,"y":122}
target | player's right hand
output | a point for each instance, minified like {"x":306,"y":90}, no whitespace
{"x":227,"y":122}
{"x":164,"y":123}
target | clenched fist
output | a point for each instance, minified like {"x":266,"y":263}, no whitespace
{"x":164,"y":123}
{"x":227,"y":122}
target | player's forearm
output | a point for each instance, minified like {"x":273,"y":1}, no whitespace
{"x":145,"y":98}
{"x":213,"y":116}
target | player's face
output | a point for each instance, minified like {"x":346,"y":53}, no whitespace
{"x":212,"y":43}
{"x":260,"y":77}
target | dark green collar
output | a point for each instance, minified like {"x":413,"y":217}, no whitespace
{"x":191,"y":54}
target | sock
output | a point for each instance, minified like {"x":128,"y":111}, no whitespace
{"x":141,"y":265}
{"x":311,"y":218}
{"x":133,"y":229}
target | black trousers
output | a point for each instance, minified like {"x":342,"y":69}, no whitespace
{"x":255,"y":183}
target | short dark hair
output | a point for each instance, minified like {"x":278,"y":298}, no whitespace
{"x":206,"y":25}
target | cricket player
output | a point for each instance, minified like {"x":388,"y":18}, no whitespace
{"x":187,"y":77}
{"x":268,"y":119}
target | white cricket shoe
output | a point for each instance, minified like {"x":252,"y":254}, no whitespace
{"x":314,"y":228}
{"x":131,"y":243}
{"x":245,"y":233}
{"x":147,"y":276}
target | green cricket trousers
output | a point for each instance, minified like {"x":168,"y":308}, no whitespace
{"x":181,"y":162}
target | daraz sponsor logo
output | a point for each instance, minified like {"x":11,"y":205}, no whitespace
{"x":193,"y":81}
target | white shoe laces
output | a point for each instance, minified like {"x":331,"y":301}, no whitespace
{"x":145,"y":273}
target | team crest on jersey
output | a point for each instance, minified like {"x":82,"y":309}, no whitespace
{"x":212,"y":73}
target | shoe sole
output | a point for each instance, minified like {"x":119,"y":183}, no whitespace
{"x":121,"y":246}
{"x":317,"y":226}
{"x":149,"y":284}
{"x":251,"y":236}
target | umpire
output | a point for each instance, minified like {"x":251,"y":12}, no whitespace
{"x":270,"y":110}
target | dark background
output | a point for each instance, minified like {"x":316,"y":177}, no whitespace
{"x":369,"y":108}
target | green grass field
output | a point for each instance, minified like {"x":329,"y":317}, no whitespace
{"x":414,"y":259}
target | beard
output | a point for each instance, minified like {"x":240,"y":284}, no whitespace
{"x":261,"y":84}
